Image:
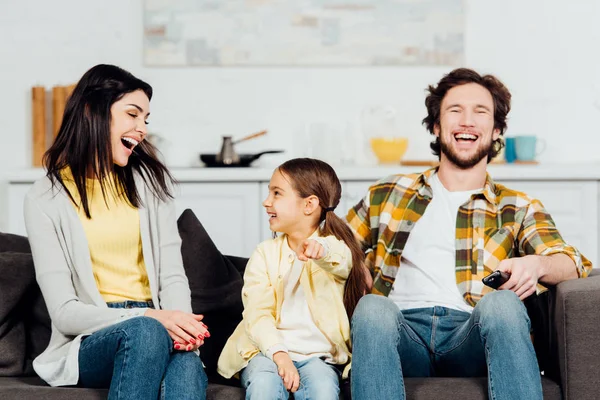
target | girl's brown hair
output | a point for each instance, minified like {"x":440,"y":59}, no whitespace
{"x":309,"y":177}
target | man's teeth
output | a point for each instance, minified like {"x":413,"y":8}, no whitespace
{"x":466,"y":136}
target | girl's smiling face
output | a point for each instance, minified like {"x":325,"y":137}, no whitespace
{"x":285,"y":208}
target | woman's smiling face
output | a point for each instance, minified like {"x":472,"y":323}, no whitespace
{"x":128,"y":119}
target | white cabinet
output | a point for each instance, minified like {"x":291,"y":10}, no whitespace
{"x":15,"y":218}
{"x":352,"y":193}
{"x":230,"y":207}
{"x":574,"y":208}
{"x":228,"y":211}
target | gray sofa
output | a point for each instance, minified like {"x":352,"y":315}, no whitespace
{"x":566,"y":328}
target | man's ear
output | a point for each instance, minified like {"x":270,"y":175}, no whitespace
{"x":436,"y":130}
{"x":495,"y":134}
{"x":311,"y":204}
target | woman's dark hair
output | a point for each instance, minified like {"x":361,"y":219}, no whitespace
{"x":309,"y":177}
{"x":461,"y":76}
{"x":83,"y":142}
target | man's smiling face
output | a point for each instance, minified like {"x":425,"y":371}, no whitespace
{"x":466,"y":128}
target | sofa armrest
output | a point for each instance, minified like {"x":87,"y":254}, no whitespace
{"x":577,"y":331}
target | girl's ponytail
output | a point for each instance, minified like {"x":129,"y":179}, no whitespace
{"x":356,"y":284}
{"x":308,"y":177}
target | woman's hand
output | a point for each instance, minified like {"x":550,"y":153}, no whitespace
{"x":186,"y":329}
{"x":287,"y":371}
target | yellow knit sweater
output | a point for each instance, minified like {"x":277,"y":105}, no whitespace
{"x":114,"y":240}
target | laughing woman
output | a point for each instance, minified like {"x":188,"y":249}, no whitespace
{"x":103,"y":233}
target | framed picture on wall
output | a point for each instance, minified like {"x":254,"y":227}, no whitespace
{"x":303,"y":32}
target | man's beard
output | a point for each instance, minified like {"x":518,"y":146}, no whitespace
{"x":462,"y":163}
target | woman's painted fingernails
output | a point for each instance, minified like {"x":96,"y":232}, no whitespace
{"x":207,"y":334}
{"x":189,"y":347}
{"x":200,"y":336}
{"x":177,"y":347}
{"x":192,"y":341}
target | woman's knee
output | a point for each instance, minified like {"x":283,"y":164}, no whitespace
{"x":188,"y":367}
{"x":185,"y":377}
{"x":148,"y":335}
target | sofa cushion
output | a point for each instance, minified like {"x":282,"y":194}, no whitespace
{"x":16,"y":243}
{"x":17,"y":277}
{"x":216,"y":286}
{"x":214,"y":281}
{"x":38,"y":326}
{"x":464,"y":388}
{"x":416,"y":388}
{"x":34,"y":388}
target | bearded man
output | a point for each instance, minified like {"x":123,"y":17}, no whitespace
{"x":430,"y":238}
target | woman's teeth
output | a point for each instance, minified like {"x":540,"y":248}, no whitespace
{"x":129,"y":142}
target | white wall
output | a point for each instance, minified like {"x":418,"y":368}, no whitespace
{"x":545,"y":51}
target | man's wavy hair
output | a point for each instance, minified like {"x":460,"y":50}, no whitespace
{"x":461,"y":76}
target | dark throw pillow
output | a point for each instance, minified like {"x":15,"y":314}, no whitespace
{"x":17,"y":277}
{"x":16,"y":243}
{"x":38,"y":326}
{"x":216,"y":286}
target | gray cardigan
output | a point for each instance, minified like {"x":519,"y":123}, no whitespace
{"x":64,"y":273}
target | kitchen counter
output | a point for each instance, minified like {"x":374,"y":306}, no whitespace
{"x":567,"y":172}
{"x":570,"y":192}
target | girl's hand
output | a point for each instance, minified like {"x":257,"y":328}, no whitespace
{"x":310,"y":249}
{"x":287,"y":371}
{"x":186,"y":329}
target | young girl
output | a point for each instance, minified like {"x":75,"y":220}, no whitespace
{"x":103,"y":234}
{"x":295,"y":332}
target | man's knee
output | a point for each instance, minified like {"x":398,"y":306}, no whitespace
{"x":501,"y":309}
{"x":375,"y":323}
{"x":374,"y":310}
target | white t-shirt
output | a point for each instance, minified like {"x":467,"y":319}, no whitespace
{"x":301,"y":336}
{"x":427,"y":275}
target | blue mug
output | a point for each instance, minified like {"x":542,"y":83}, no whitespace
{"x":510,"y":155}
{"x":526,"y":147}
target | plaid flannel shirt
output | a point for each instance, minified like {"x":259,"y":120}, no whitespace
{"x":493,"y":225}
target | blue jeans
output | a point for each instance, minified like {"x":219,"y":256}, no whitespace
{"x":389,"y":344}
{"x":135,"y":359}
{"x":318,"y":380}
